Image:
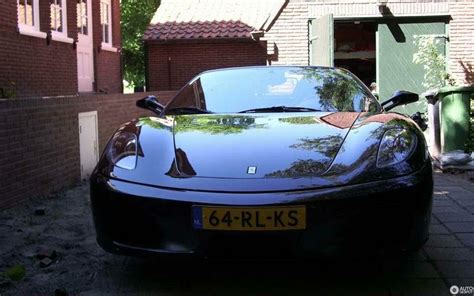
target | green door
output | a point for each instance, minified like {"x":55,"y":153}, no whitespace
{"x":395,"y":67}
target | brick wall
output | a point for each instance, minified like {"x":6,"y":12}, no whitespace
{"x":287,"y":39}
{"x":189,"y":59}
{"x":31,"y":66}
{"x":39,"y":140}
{"x":461,"y":40}
{"x":108,"y":73}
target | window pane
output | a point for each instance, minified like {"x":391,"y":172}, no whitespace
{"x":102,"y":13}
{"x":26,"y":12}
{"x":105,"y":21}
{"x":106,"y":17}
{"x":82,"y":16}
{"x":60,"y":21}
{"x":106,"y":33}
{"x":79,"y":16}
{"x":84,"y":25}
{"x":29,"y":13}
{"x":56,"y":16}
{"x":21,"y":12}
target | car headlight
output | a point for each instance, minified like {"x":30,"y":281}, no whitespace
{"x":396,"y":146}
{"x":122,"y":150}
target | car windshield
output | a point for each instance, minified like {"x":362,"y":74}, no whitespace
{"x":273,"y":89}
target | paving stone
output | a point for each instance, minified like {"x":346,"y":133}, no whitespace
{"x":438,"y":229}
{"x":461,"y":195}
{"x":409,"y":269}
{"x":466,"y":202}
{"x":443,"y":241}
{"x":470,"y":209}
{"x":443,"y":203}
{"x":469,"y":187}
{"x":456,"y":269}
{"x":467,"y":239}
{"x":441,"y":195}
{"x":434,"y":220}
{"x":449,"y":209}
{"x":455,"y":217}
{"x":460,"y":226}
{"x":449,"y":254}
{"x":453,"y":189}
{"x":419,"y":287}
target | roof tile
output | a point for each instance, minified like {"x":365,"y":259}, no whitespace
{"x":193,"y":19}
{"x":197,"y":30}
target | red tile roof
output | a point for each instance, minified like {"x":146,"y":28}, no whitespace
{"x":205,"y":19}
{"x":198,"y":30}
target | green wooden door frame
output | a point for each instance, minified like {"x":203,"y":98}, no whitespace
{"x":321,"y":41}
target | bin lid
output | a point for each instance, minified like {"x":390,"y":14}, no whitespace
{"x":449,"y":89}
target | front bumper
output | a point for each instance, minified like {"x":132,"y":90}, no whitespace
{"x":136,"y":219}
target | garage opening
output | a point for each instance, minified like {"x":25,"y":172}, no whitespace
{"x":354,"y":49}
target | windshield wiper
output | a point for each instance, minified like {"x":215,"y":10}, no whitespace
{"x":188,"y":110}
{"x":280,"y":109}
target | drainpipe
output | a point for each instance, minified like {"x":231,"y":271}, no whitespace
{"x":147,"y":69}
{"x":120,"y":52}
{"x":169,"y":72}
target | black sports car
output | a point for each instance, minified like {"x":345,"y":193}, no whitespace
{"x":265,"y":161}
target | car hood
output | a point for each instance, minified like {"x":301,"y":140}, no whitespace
{"x":271,"y":145}
{"x":290,"y":151}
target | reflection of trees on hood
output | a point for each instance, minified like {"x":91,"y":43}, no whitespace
{"x":336,"y":92}
{"x":156,"y":123}
{"x":212,"y":124}
{"x":300,"y":120}
{"x":300,"y":168}
{"x":327,"y":145}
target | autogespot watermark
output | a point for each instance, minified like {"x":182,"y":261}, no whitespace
{"x":461,"y":290}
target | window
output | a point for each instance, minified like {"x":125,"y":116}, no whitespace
{"x":58,"y":16}
{"x":82,"y":17}
{"x":105,"y":21}
{"x":329,"y":90}
{"x":25,"y":13}
{"x":28,"y":18}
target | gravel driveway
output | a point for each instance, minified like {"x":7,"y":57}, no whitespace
{"x":49,"y":245}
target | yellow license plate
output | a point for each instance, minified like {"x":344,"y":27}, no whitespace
{"x":249,"y":218}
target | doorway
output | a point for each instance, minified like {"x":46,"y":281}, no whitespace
{"x":354,"y":49}
{"x":88,"y":143}
{"x":376,"y":50}
{"x":85,"y":53}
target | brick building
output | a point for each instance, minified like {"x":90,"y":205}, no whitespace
{"x":372,"y":38}
{"x":187,"y":37}
{"x":59,"y":47}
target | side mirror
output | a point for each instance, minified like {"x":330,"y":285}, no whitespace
{"x":400,"y":97}
{"x":151,"y":103}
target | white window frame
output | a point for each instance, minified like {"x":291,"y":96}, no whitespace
{"x":31,"y":30}
{"x":62,"y":36}
{"x":108,"y":46}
